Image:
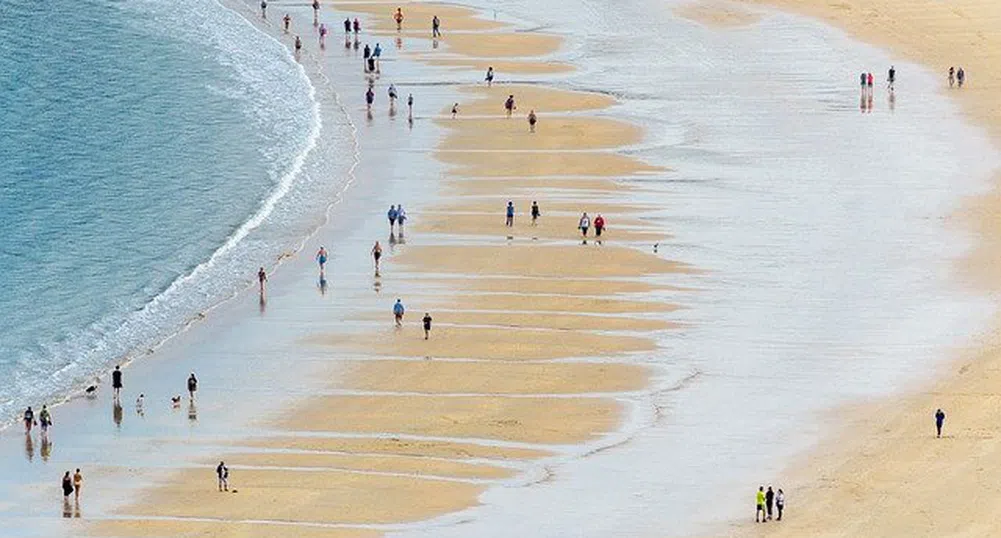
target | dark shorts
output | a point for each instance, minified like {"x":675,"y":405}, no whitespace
{"x":377,"y":255}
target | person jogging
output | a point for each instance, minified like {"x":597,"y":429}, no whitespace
{"x":427,"y":325}
{"x":939,"y":422}
{"x":398,"y":312}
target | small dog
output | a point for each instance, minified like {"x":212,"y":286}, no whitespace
{"x":91,"y":391}
{"x":175,"y":401}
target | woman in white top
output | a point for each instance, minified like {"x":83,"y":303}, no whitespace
{"x":584,"y":224}
{"x":780,"y":503}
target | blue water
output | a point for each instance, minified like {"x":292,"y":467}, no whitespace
{"x":146,"y":147}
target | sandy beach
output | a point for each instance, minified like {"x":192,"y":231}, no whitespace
{"x":507,"y":371}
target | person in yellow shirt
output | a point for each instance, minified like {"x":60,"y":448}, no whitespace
{"x":760,"y":498}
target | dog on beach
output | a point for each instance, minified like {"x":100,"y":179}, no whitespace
{"x":175,"y":402}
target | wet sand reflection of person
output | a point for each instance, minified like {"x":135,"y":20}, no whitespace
{"x":29,"y":447}
{"x":117,"y":413}
{"x":192,"y":411}
{"x":46,"y":449}
{"x":322,"y":284}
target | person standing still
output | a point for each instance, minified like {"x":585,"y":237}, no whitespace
{"x":192,"y":386}
{"x":780,"y":503}
{"x":222,"y":472}
{"x":509,"y":212}
{"x":769,"y":501}
{"x":760,"y":502}
{"x":262,"y":278}
{"x":939,"y":421}
{"x":67,"y":486}
{"x":427,"y":325}
{"x":116,"y":382}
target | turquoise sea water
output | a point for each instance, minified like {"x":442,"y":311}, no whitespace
{"x":146,"y":147}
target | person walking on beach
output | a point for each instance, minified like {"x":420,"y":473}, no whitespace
{"x":347,"y":26}
{"x":435,"y":27}
{"x":116,"y":382}
{"x":398,"y":312}
{"x":490,"y":76}
{"x":29,"y":420}
{"x":77,"y":484}
{"x":392,"y":96}
{"x":298,"y":44}
{"x":535,"y":212}
{"x":868,"y":82}
{"x":398,"y":17}
{"x":323,"y":35}
{"x":891,"y":77}
{"x":369,"y":98}
{"x":321,"y":258}
{"x":392,"y":214}
{"x":509,"y":105}
{"x":377,"y":51}
{"x":427,"y":325}
{"x":939,"y":421}
{"x":376,"y":254}
{"x":532,"y":121}
{"x":67,"y":486}
{"x":316,"y":10}
{"x":952,"y":76}
{"x":356,"y":26}
{"x":509,"y":215}
{"x":584,"y":223}
{"x":192,"y":386}
{"x":862,"y":82}
{"x":45,"y":419}
{"x":222,"y":473}
{"x":262,"y":278}
{"x":287,"y":21}
{"x":264,"y":9}
{"x":410,"y":106}
{"x":769,"y":501}
{"x":960,"y":77}
{"x":760,"y":502}
{"x":599,"y":225}
{"x":780,"y":503}
{"x":455,"y":110}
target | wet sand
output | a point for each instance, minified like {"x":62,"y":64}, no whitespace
{"x":883,"y":472}
{"x":534,"y":341}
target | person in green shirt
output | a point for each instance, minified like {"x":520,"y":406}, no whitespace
{"x":760,"y":498}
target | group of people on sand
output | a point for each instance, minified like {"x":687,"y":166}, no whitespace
{"x":766,"y":501}
{"x":956,"y":76}
{"x":867,"y":81}
{"x":399,"y":311}
{"x":584,"y":225}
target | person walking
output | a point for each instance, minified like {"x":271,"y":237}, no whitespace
{"x":347,"y":26}
{"x":67,"y":486}
{"x":455,"y":110}
{"x":316,"y":10}
{"x":509,"y":105}
{"x":392,"y":215}
{"x":490,"y":76}
{"x":952,"y":76}
{"x":369,"y":96}
{"x":298,"y":44}
{"x":29,"y":420}
{"x":427,"y":325}
{"x":535,"y":212}
{"x":780,"y":503}
{"x":116,"y":382}
{"x":599,"y":225}
{"x":401,"y":217}
{"x":398,"y":17}
{"x":532,"y":120}
{"x":891,"y":77}
{"x":868,"y":81}
{"x":262,"y":278}
{"x":584,"y":223}
{"x":376,"y":254}
{"x":435,"y":27}
{"x":321,"y":257}
{"x":287,"y":21}
{"x":862,"y":82}
{"x":939,"y":421}
{"x":192,"y":386}
{"x":398,"y":312}
{"x":77,"y":484}
{"x":769,"y":501}
{"x":323,"y":35}
{"x":509,"y":214}
{"x":356,"y":26}
{"x":45,"y":419}
{"x":760,"y":502}
{"x":264,"y":9}
{"x":222,"y":473}
{"x":960,"y":77}
{"x":410,"y":106}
